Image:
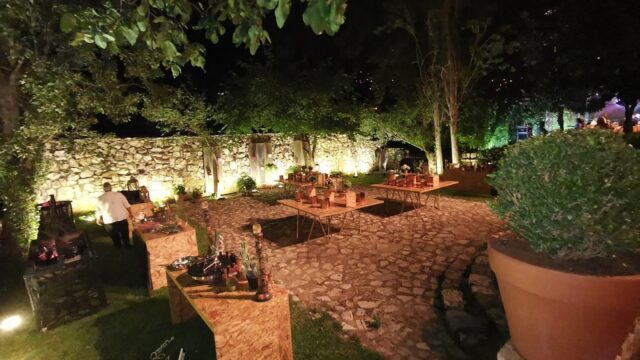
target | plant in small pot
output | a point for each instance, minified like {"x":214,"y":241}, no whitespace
{"x":249,"y":266}
{"x":180,"y":192}
{"x":571,"y":288}
{"x":196,"y":194}
{"x":246,"y":184}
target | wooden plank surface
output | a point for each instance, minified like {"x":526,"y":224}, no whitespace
{"x":315,"y":210}
{"x":163,"y":249}
{"x":242,"y":328}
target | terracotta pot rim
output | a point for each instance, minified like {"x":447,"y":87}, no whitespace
{"x":511,"y":258}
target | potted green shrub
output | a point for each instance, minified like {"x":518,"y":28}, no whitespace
{"x":571,"y":288}
{"x":180,"y":192}
{"x":196,"y":194}
{"x":249,"y":266}
{"x":246,"y":184}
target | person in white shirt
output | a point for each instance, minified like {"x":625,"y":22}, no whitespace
{"x":112,"y":211}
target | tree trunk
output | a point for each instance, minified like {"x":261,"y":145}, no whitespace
{"x":437,"y":129}
{"x":9,"y":101}
{"x":628,"y":117}
{"x":453,"y":126}
{"x":9,"y":113}
{"x":561,"y":117}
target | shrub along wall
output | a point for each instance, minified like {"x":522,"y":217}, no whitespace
{"x":76,"y":172}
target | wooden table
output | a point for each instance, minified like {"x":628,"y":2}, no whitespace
{"x":414,"y":193}
{"x":241,"y":327}
{"x":145,"y":207}
{"x":316,"y":213}
{"x":292,"y":185}
{"x":163,"y":249}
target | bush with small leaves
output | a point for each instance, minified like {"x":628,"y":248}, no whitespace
{"x":572,"y":195}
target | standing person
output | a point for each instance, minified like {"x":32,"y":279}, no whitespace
{"x":580,"y":123}
{"x":112,"y":211}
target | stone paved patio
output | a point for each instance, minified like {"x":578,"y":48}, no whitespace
{"x":389,"y":271}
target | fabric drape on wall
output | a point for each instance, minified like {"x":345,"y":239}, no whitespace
{"x":302,"y":155}
{"x":259,"y":154}
{"x":210,"y":170}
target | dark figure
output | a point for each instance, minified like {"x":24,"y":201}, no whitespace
{"x":543,"y":129}
{"x":601,"y":123}
{"x":580,"y":123}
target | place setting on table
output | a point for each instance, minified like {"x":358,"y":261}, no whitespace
{"x":165,"y":237}
{"x":331,"y":198}
{"x":409,"y":187}
{"x":236,"y":297}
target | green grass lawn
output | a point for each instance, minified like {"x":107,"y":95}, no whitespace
{"x":134,"y":324}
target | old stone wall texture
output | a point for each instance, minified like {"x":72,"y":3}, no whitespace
{"x":77,"y":171}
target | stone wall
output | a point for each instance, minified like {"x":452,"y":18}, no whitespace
{"x":76,"y":172}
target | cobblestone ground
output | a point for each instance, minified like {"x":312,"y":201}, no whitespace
{"x":389,"y":271}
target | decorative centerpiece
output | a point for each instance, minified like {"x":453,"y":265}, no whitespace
{"x":330,"y":194}
{"x":144,"y":194}
{"x":391,"y":177}
{"x":310,"y":191}
{"x":249,"y":266}
{"x":405,"y":169}
{"x":350,"y":195}
{"x":264,"y":281}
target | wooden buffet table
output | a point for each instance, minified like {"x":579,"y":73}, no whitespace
{"x":413,"y":194}
{"x":241,"y":327}
{"x":317,"y":214}
{"x":145,"y":207}
{"x":163,"y":249}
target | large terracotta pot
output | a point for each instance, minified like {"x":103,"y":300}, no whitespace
{"x":557,"y":315}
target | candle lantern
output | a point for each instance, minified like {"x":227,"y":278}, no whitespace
{"x":326,"y":203}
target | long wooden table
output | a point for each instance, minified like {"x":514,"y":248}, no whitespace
{"x":241,"y":327}
{"x":292,"y":185}
{"x":317,"y":214}
{"x":413,"y":193}
{"x":163,"y":249}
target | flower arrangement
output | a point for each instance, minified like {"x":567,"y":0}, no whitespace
{"x":405,"y":168}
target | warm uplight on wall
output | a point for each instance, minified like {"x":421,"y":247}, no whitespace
{"x":323,"y":167}
{"x":159,"y":191}
{"x":11,"y":323}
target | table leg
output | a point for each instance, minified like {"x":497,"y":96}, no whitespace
{"x":344,"y":217}
{"x":329,"y":226}
{"x":319,"y":221}
{"x":403,"y":201}
{"x":359,"y":228}
{"x":436,"y":200}
{"x":386,"y":202}
{"x":298,"y":225}
{"x":313,"y":222}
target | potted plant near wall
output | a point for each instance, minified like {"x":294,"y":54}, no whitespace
{"x":180,"y":192}
{"x":571,"y":287}
{"x":196,"y":194}
{"x":246,"y":184}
